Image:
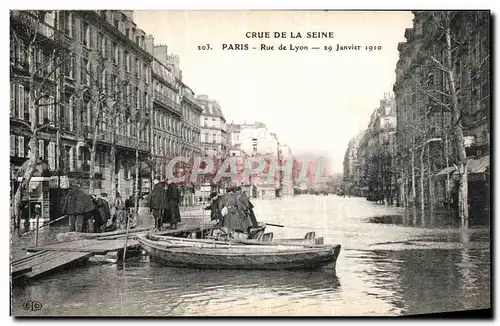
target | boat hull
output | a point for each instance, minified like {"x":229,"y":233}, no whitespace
{"x":226,"y":256}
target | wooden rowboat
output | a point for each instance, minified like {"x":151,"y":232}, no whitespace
{"x":215,"y":254}
{"x":266,"y":238}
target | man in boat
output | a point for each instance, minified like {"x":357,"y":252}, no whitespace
{"x":214,"y":208}
{"x":247,"y":207}
{"x":232,"y":211}
{"x":157,"y":202}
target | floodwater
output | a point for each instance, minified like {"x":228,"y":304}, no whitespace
{"x":390,"y":264}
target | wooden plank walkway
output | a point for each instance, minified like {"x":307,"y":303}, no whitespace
{"x":42,"y":260}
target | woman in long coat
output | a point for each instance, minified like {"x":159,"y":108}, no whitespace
{"x":172,"y":211}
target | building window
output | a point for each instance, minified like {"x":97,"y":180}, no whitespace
{"x":104,"y":43}
{"x":20,"y":146}
{"x":73,"y":26}
{"x":387,"y":123}
{"x":85,"y":33}
{"x":13,"y":145}
{"x":84,"y":72}
{"x":127,"y":61}
{"x":115,"y":53}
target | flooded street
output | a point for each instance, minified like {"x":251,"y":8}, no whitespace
{"x":390,"y":264}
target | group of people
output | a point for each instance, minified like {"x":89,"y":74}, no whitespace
{"x":89,"y":213}
{"x":233,"y":210}
{"x":164,"y":203}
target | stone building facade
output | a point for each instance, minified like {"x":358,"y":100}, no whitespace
{"x":97,"y":71}
{"x":422,"y":94}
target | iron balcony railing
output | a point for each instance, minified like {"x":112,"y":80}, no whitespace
{"x":167,"y":101}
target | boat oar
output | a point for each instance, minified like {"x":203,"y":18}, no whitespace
{"x":271,"y":224}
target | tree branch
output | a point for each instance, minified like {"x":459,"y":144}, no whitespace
{"x":439,"y":65}
{"x":42,"y":127}
{"x":433,"y":98}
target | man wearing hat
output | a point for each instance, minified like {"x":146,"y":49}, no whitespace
{"x":157,"y":202}
{"x":214,"y":207}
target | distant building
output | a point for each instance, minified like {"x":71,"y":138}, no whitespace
{"x":351,"y":176}
{"x":287,"y":181}
{"x":214,"y":140}
{"x":256,"y":140}
{"x":376,"y":177}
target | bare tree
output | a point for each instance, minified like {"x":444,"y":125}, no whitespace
{"x":38,"y":75}
{"x":108,"y":108}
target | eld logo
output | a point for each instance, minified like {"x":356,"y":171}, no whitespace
{"x":32,"y":305}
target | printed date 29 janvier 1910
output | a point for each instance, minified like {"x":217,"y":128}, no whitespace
{"x":292,"y":47}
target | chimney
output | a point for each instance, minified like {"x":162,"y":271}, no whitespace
{"x":160,"y":53}
{"x":149,"y":44}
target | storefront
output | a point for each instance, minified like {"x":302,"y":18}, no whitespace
{"x":35,"y":202}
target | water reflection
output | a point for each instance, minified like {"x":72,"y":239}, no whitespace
{"x":427,"y":281}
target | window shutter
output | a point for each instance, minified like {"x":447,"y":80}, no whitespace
{"x":72,"y":159}
{"x":20,"y":102}
{"x":20,"y":146}
{"x":52,"y":156}
{"x":12,"y":145}
{"x":51,"y":109}
{"x":41,"y":151}
{"x":41,"y":110}
{"x":12,"y":99}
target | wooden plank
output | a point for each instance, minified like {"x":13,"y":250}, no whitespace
{"x":15,"y":272}
{"x":29,"y":257}
{"x":64,"y":246}
{"x":41,"y":260}
{"x":98,"y":246}
{"x":61,"y":261}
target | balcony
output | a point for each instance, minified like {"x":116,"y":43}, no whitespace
{"x":28,"y":19}
{"x":190,"y":98}
{"x":166,"y":101}
{"x":132,"y":143}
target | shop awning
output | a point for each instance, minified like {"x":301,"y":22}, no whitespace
{"x":474,"y":166}
{"x":479,"y":165}
{"x":444,"y":172}
{"x":41,"y":170}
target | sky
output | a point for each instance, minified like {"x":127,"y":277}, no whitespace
{"x":315,"y":101}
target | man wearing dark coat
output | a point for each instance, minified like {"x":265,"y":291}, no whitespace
{"x":157,"y":202}
{"x":101,"y":214}
{"x":78,"y":206}
{"x":232,"y":209}
{"x":214,"y":207}
{"x":172,"y":212}
{"x":247,"y":207}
